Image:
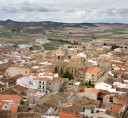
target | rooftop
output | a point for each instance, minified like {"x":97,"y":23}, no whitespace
{"x":69,"y":115}
{"x":94,"y":90}
{"x":93,"y":70}
{"x":14,"y":98}
{"x":40,"y":79}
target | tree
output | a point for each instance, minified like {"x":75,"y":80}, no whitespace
{"x":114,"y":46}
{"x":104,"y":44}
{"x":31,"y":48}
{"x":94,"y":37}
{"x":89,"y":82}
{"x":68,"y":75}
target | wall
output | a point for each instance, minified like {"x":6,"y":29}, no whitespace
{"x":13,"y":71}
{"x":91,"y":95}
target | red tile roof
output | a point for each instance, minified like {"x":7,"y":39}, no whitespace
{"x":69,"y":115}
{"x":1,"y":104}
{"x":93,"y":70}
{"x":48,"y":74}
{"x":14,"y":98}
{"x":125,"y":82}
{"x":13,"y":108}
{"x":40,"y":79}
{"x":114,"y":107}
{"x":94,"y":90}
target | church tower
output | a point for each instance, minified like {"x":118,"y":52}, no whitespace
{"x":60,"y":54}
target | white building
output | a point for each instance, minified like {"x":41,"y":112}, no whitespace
{"x":103,"y":86}
{"x":42,"y":41}
{"x":41,"y":81}
{"x":40,"y":84}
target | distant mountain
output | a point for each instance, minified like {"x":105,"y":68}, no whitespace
{"x":43,"y":23}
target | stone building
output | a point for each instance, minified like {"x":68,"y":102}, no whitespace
{"x":40,"y":84}
{"x":13,"y":71}
{"x":77,"y":69}
{"x":92,"y":93}
{"x":55,"y":84}
{"x":94,"y":73}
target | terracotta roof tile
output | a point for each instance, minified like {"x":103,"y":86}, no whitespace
{"x":93,"y":70}
{"x":69,"y":115}
{"x":125,"y":82}
{"x":1,"y":104}
{"x":94,"y":90}
{"x":40,"y":79}
{"x":114,"y":107}
{"x":13,"y":108}
{"x":48,"y":74}
{"x":14,"y":98}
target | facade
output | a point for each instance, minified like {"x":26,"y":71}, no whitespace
{"x":55,"y":84}
{"x":77,"y":69}
{"x":93,"y":74}
{"x":92,"y":93}
{"x":89,"y":113}
{"x":13,"y":71}
{"x":40,"y":84}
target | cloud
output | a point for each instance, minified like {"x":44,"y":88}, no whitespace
{"x":65,"y":11}
{"x":28,"y":6}
{"x":20,"y":17}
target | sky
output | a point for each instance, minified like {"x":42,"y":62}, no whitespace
{"x":69,"y":11}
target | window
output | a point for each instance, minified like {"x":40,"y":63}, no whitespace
{"x":83,"y":109}
{"x":92,"y":111}
{"x":111,"y":99}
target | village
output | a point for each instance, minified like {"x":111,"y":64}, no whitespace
{"x":74,"y":81}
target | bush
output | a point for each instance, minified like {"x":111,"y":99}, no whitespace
{"x":68,"y":75}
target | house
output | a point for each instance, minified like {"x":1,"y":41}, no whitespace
{"x":108,"y":99}
{"x":114,"y":108}
{"x":10,"y":82}
{"x":40,"y":83}
{"x":55,"y":84}
{"x":49,"y":103}
{"x":44,"y":82}
{"x":103,"y":86}
{"x":28,"y":115}
{"x":92,"y":93}
{"x":9,"y":102}
{"x":94,"y":73}
{"x":69,"y":115}
{"x":49,"y":75}
{"x":42,"y":41}
{"x":114,"y":98}
{"x":25,"y":93}
{"x":13,"y":71}
{"x":3,"y":61}
{"x":95,"y":112}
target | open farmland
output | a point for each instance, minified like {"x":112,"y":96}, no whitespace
{"x":23,"y":32}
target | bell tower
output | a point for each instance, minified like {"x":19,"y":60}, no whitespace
{"x":60,"y":54}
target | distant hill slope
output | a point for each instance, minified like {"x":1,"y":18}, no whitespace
{"x":43,"y":23}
